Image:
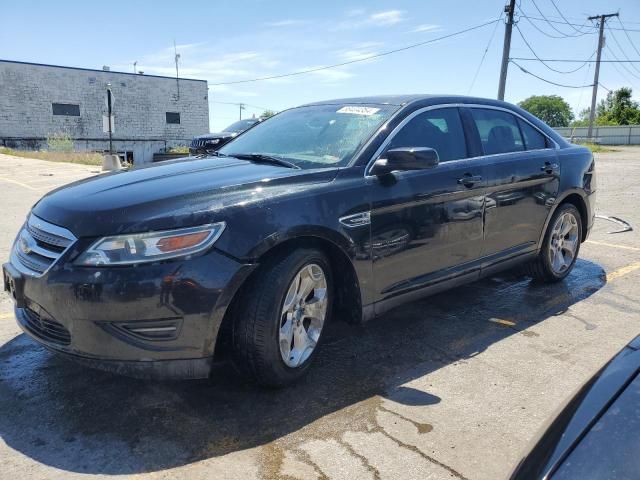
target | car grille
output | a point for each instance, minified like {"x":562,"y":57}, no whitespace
{"x":46,"y":328}
{"x":211,"y":142}
{"x":39,"y":245}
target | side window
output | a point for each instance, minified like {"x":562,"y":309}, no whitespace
{"x":499,"y":131}
{"x":533,"y":139}
{"x":439,"y":129}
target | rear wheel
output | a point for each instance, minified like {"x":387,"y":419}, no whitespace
{"x":560,"y":246}
{"x":283,"y":311}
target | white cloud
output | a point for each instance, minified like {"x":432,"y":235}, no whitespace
{"x":359,"y":19}
{"x":353,"y":55}
{"x":199,"y":61}
{"x":331,"y":75}
{"x":389,"y":17}
{"x":288,"y":22}
{"x":359,"y":51}
{"x":356,"y":12}
{"x":427,"y":27}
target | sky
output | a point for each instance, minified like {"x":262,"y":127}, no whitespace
{"x":226,"y":41}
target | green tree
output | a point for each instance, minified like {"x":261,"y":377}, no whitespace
{"x":583,"y":119}
{"x":619,"y":108}
{"x":551,"y":109}
{"x":267,"y":113}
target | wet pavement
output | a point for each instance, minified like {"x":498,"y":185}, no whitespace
{"x":453,"y":386}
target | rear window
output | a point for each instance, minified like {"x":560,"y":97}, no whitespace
{"x":499,"y":131}
{"x":533,"y":139}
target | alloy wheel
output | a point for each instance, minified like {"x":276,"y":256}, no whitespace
{"x":563,"y":243}
{"x":303,"y":315}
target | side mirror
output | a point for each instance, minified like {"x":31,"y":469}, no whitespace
{"x":400,"y":159}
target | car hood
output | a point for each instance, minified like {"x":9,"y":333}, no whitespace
{"x":209,"y":136}
{"x":180,"y":193}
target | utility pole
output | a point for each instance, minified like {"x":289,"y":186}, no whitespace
{"x":177,"y":57}
{"x":506,"y":47}
{"x":241,"y":105}
{"x":594,"y":94}
{"x":109,"y":112}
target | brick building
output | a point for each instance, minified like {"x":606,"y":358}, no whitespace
{"x":151,"y":113}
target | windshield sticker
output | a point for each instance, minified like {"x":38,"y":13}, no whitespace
{"x":359,"y":110}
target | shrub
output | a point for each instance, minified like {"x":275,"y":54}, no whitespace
{"x":60,"y":142}
{"x":180,"y":149}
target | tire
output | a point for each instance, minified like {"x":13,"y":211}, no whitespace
{"x":260,"y":316}
{"x":545,"y":267}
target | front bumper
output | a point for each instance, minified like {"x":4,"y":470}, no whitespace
{"x":156,"y":320}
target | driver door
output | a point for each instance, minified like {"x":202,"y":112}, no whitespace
{"x":427,"y":225}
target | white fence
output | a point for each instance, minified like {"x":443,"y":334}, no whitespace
{"x":618,"y":135}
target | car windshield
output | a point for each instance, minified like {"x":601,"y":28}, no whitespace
{"x":240,"y":125}
{"x":314,"y":136}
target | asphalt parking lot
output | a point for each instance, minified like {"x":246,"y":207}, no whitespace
{"x":453,"y":386}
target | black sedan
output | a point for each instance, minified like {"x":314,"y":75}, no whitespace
{"x":214,"y":141}
{"x":597,"y":434}
{"x":337,"y":209}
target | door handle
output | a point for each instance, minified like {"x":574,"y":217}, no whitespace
{"x":550,"y":167}
{"x":469,"y":180}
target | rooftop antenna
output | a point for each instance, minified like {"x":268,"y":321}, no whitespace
{"x":177,"y":57}
{"x":134,"y":66}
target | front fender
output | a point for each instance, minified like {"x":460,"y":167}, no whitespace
{"x":340,"y":240}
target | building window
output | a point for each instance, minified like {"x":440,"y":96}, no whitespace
{"x":173,"y":117}
{"x":68,"y":109}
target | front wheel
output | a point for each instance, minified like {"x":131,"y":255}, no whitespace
{"x":560,"y":246}
{"x":283,"y":311}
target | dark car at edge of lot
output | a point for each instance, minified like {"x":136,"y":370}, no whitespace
{"x":336,"y":209}
{"x":596,"y":434}
{"x":214,"y":141}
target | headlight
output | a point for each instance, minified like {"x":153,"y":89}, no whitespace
{"x":150,"y":247}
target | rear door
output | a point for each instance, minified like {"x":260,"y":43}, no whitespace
{"x":522,"y":173}
{"x":426,"y":225}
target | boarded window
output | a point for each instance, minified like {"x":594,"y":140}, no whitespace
{"x":173,"y":117}
{"x":68,"y":109}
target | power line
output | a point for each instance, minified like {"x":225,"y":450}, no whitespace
{"x":576,"y":19}
{"x":622,"y":50}
{"x":554,"y":27}
{"x":572,"y":60}
{"x":484,"y":54}
{"x":621,"y":73}
{"x":543,"y":62}
{"x":567,"y":21}
{"x":342,"y":64}
{"x":548,"y":81}
{"x":528,"y":18}
{"x":538,"y":28}
{"x":621,"y":64}
{"x":242,"y":103}
{"x":628,"y":37}
{"x":575,"y":24}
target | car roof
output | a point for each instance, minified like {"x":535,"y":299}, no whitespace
{"x":402,"y":100}
{"x":415,"y":101}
